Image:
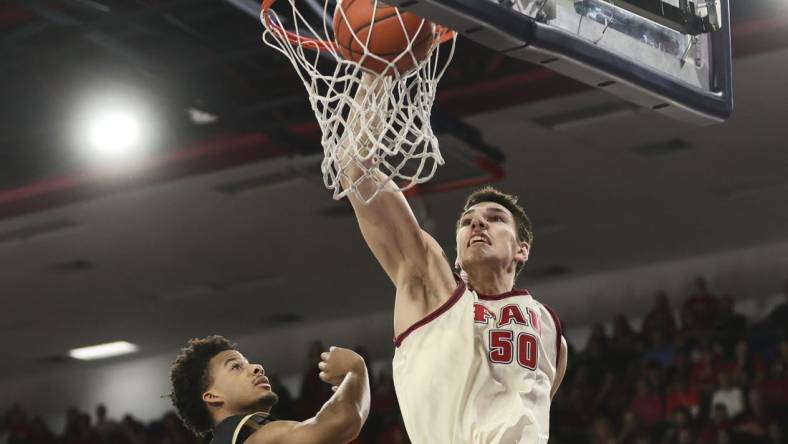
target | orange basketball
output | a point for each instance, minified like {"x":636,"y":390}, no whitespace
{"x":380,"y":29}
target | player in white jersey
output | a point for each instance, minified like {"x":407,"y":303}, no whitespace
{"x":476,"y":361}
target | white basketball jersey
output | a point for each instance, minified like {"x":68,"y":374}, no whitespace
{"x":479,"y":369}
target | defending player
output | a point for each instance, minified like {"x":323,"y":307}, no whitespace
{"x":215,"y":389}
{"x":476,"y":361}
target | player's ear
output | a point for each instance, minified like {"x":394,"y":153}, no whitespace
{"x":521,"y":255}
{"x":212,"y":398}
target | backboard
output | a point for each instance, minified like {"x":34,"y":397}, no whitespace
{"x":672,"y":56}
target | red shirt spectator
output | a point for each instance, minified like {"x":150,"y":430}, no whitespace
{"x":647,"y":405}
{"x":703,"y":305}
{"x":775,"y":388}
{"x":705,"y":371}
{"x":680,"y":395}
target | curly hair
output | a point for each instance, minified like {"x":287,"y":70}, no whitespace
{"x":489,"y":194}
{"x":190,"y":378}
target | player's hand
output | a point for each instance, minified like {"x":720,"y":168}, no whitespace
{"x":336,"y":363}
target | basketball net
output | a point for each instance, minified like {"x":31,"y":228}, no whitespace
{"x":378,"y":126}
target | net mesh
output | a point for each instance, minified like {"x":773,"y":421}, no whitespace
{"x":375,"y":124}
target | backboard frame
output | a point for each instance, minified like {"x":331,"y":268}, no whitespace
{"x":521,"y":36}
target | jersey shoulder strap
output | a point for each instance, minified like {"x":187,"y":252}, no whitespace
{"x":235,"y":429}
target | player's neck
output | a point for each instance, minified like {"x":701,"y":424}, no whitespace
{"x":222,"y":414}
{"x":490,"y":281}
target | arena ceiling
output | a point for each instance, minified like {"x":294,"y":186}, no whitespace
{"x":227,"y":228}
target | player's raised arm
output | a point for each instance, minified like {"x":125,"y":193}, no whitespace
{"x":388,"y":224}
{"x":341,"y":418}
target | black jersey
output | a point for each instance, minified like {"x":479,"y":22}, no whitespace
{"x":235,"y":429}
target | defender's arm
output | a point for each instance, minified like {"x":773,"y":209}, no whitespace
{"x":341,"y":418}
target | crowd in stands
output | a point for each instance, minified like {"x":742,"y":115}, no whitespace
{"x":710,"y":377}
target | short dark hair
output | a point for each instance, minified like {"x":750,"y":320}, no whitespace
{"x":489,"y":194}
{"x":190,"y":377}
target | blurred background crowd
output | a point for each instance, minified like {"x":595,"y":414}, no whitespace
{"x":698,"y":373}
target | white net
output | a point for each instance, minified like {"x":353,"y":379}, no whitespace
{"x":374,"y":111}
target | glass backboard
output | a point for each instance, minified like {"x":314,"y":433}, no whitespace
{"x":672,"y":56}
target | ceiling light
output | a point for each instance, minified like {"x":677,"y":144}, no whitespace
{"x":202,"y":117}
{"x":102,"y":351}
{"x":114,"y":128}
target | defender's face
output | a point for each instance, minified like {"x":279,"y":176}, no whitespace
{"x":487,"y":236}
{"x":238,"y":385}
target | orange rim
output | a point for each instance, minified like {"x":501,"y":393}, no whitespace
{"x":443,"y":34}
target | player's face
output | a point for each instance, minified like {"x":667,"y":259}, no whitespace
{"x":487,"y":236}
{"x":237,"y":385}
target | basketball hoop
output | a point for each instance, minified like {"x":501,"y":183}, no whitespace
{"x":381,"y":124}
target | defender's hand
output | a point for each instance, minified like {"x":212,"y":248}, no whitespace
{"x":336,"y":363}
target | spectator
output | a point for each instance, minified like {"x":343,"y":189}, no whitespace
{"x":659,"y":350}
{"x":631,"y":430}
{"x":175,"y":432}
{"x":596,"y":353}
{"x":691,"y":331}
{"x":580,"y":396}
{"x":624,"y":343}
{"x":655,"y":376}
{"x":730,"y":325}
{"x":682,"y":395}
{"x":133,"y":430}
{"x":602,"y":432}
{"x":754,"y":424}
{"x":659,"y":318}
{"x":40,"y":433}
{"x":17,"y":425}
{"x":679,"y":420}
{"x":729,"y":396}
{"x":781,"y":360}
{"x":746,"y":370}
{"x":719,"y":422}
{"x":703,"y":305}
{"x":775,"y":388}
{"x":104,"y":427}
{"x":705,"y":371}
{"x":614,"y":394}
{"x":779,"y":316}
{"x":686,"y":436}
{"x":647,"y":405}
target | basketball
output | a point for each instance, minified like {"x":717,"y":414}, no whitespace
{"x":379,"y":28}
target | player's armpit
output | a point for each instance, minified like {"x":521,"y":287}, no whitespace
{"x":561,"y":370}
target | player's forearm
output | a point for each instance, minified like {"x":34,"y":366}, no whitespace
{"x":349,"y":407}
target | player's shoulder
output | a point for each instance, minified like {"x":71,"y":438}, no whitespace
{"x":274,"y":432}
{"x":246,"y":429}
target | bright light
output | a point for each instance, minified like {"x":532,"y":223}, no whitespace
{"x":102,"y":351}
{"x":113,"y":128}
{"x":114,"y":133}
